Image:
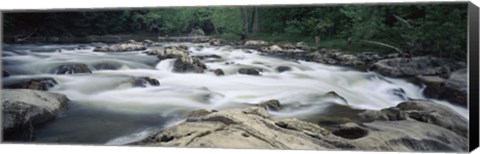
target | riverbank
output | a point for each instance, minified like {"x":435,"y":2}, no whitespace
{"x":149,"y":77}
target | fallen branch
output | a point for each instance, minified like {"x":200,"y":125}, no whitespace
{"x":383,"y":44}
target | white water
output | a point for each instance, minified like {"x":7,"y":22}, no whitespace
{"x":301,"y":90}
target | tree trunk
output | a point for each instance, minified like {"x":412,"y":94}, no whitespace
{"x":256,"y":22}
{"x":245,"y":21}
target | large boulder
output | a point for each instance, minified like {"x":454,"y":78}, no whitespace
{"x":34,"y":84}
{"x":189,"y":64}
{"x":71,"y":69}
{"x":410,"y":67}
{"x":456,"y":87}
{"x":170,"y":52}
{"x":421,"y":111}
{"x":254,"y":128}
{"x":23,"y":109}
{"x":240,"y":128}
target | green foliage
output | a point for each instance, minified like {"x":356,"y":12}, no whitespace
{"x":420,"y":29}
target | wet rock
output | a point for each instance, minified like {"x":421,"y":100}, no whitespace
{"x":72,"y":69}
{"x":238,"y":128}
{"x":106,"y":66}
{"x":302,"y":45}
{"x":5,"y":74}
{"x":271,"y":49}
{"x":248,"y":71}
{"x":369,"y":58}
{"x":170,"y":52}
{"x":144,"y":81}
{"x":198,"y":113}
{"x":434,"y":85}
{"x":253,"y":128}
{"x":337,"y":58}
{"x":148,"y":42}
{"x":273,"y":105}
{"x":283,"y":69}
{"x":208,"y":56}
{"x":456,"y":88}
{"x":255,"y":43}
{"x":124,"y":47}
{"x":23,"y":109}
{"x":333,"y":94}
{"x":421,"y":111}
{"x":219,"y":72}
{"x":215,"y":42}
{"x":34,"y":84}
{"x":404,"y":67}
{"x":189,"y":64}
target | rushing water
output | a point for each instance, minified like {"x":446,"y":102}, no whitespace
{"x":104,"y":108}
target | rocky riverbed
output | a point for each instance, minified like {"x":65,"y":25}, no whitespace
{"x":251,"y":94}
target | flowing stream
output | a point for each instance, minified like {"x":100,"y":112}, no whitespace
{"x":106,"y":109}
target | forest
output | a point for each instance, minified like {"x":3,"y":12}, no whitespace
{"x":417,"y":29}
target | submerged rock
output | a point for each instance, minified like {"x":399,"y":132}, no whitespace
{"x":5,"y":74}
{"x":144,"y":81}
{"x":283,"y":68}
{"x":404,"y":67}
{"x":219,"y":72}
{"x":34,"y":84}
{"x":23,"y":109}
{"x":106,"y":66}
{"x":72,"y":69}
{"x":248,"y":71}
{"x":273,"y":105}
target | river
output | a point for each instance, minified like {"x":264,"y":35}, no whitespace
{"x":106,"y":109}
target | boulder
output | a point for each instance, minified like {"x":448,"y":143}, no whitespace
{"x":107,"y":66}
{"x":171,"y":52}
{"x":71,"y":69}
{"x":410,"y":67}
{"x":23,"y":109}
{"x":248,"y":71}
{"x":434,"y":85}
{"x":272,"y":104}
{"x":456,"y":87}
{"x":421,"y":111}
{"x":281,"y":69}
{"x":254,"y":128}
{"x":302,"y":45}
{"x":34,"y":84}
{"x":5,"y":74}
{"x":240,"y":128}
{"x":215,"y":42}
{"x":369,"y":58}
{"x":271,"y":49}
{"x":144,"y":81}
{"x":189,"y":64}
{"x":219,"y":72}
